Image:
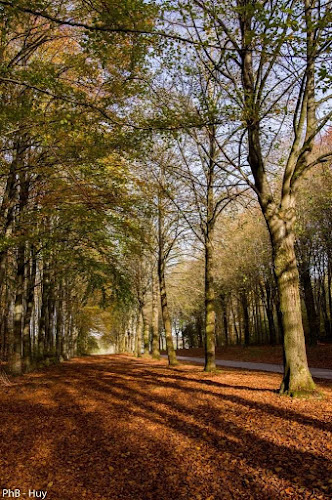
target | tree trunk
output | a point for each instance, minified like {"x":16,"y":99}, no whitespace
{"x":237,"y":334}
{"x":155,"y":318}
{"x":280,"y":214}
{"x":329,"y":295}
{"x":312,"y":316}
{"x":146,"y":329}
{"x":59,"y":328}
{"x":8,"y":205}
{"x":43,"y":331}
{"x":138,"y":336}
{"x":172,"y":361}
{"x":15,"y":364}
{"x":269,"y":313}
{"x":223,"y":302}
{"x":30,"y":294}
{"x":51,"y":348}
{"x":210,"y":313}
{"x":246,"y":322}
{"x":258,"y":319}
{"x":297,"y":377}
{"x":199,"y":329}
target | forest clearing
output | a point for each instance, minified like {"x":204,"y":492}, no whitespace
{"x":118,"y":428}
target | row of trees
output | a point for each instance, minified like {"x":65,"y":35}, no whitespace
{"x":65,"y":205}
{"x":247,"y":306}
{"x":246,"y":295}
{"x":146,"y":139}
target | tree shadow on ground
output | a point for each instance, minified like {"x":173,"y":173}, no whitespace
{"x":108,"y":435}
{"x":294,"y":463}
{"x":167,"y":381}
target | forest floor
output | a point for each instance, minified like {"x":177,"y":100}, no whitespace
{"x":118,"y":428}
{"x":319,"y":356}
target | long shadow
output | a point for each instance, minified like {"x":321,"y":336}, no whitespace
{"x":209,"y":382}
{"x":84,"y":443}
{"x":258,"y":451}
{"x":288,"y":414}
{"x":168,"y":454}
{"x":81,"y":450}
{"x":94,"y":459}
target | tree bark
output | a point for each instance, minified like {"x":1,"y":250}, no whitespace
{"x":15,"y":361}
{"x":138,"y":337}
{"x":43,"y":330}
{"x":155,"y":318}
{"x":8,"y":204}
{"x":280,"y":215}
{"x":30,"y":294}
{"x":329,"y":294}
{"x":313,"y":322}
{"x":210,"y":313}
{"x":146,"y":329}
{"x":297,"y":377}
{"x":246,"y":322}
{"x":59,"y":328}
{"x":172,"y":361}
{"x":269,"y":313}
{"x":223,"y":302}
{"x":210,"y":310}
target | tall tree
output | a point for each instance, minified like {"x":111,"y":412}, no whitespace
{"x":266,"y":61}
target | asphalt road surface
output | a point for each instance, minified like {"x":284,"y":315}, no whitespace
{"x":266,"y":367}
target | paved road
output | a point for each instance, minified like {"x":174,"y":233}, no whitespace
{"x":266,"y":367}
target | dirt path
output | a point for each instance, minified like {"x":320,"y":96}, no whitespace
{"x":117,"y":428}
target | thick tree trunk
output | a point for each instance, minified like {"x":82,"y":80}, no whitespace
{"x":297,"y":378}
{"x":280,"y":214}
{"x":210,"y":311}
